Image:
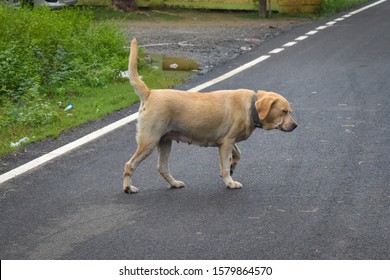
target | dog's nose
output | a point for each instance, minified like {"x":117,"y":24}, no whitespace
{"x":292,"y":127}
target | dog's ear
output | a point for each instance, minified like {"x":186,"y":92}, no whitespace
{"x":263,"y":106}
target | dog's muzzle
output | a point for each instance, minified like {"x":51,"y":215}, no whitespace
{"x":289,"y":129}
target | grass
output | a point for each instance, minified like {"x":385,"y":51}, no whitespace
{"x":77,"y":62}
{"x":330,"y":7}
{"x":88,"y":104}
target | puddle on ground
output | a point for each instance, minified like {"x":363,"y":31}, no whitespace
{"x":171,"y":63}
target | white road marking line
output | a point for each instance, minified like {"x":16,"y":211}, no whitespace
{"x":66,"y":148}
{"x":231,"y":73}
{"x":301,"y":38}
{"x":109,"y":128}
{"x":339,"y":19}
{"x":312,"y":32}
{"x":367,"y":7}
{"x":289,"y":44}
{"x":278,"y":50}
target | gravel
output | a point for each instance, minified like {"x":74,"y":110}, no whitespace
{"x":209,"y":44}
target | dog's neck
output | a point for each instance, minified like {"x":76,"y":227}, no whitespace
{"x":255,"y":115}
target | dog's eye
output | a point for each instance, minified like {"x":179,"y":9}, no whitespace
{"x":285,"y":111}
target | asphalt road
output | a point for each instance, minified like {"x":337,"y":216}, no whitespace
{"x":320,"y":192}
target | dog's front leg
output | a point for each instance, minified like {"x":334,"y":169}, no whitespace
{"x":236,"y":155}
{"x":164,"y":149}
{"x":225,"y":156}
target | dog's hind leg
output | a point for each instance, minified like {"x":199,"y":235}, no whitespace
{"x":226,"y":157}
{"x":145,"y":148}
{"x":164,"y":149}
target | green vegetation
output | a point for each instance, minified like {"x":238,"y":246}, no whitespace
{"x":43,"y":117}
{"x":51,"y":58}
{"x":330,"y":7}
{"x":40,"y":50}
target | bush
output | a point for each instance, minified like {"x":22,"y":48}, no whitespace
{"x":43,"y":50}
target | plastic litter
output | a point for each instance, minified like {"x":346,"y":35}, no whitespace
{"x":69,"y":107}
{"x":124,"y":74}
{"x":21,"y":141}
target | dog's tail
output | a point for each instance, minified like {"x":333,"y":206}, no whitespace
{"x":141,"y":89}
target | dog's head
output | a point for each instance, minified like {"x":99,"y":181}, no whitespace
{"x":274,"y":112}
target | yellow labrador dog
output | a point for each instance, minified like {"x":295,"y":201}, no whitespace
{"x":216,"y":119}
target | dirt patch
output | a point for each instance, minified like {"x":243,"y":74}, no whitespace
{"x":209,"y":38}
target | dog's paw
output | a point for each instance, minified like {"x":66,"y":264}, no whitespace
{"x":130,"y":189}
{"x":234,"y":185}
{"x":177,"y":185}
